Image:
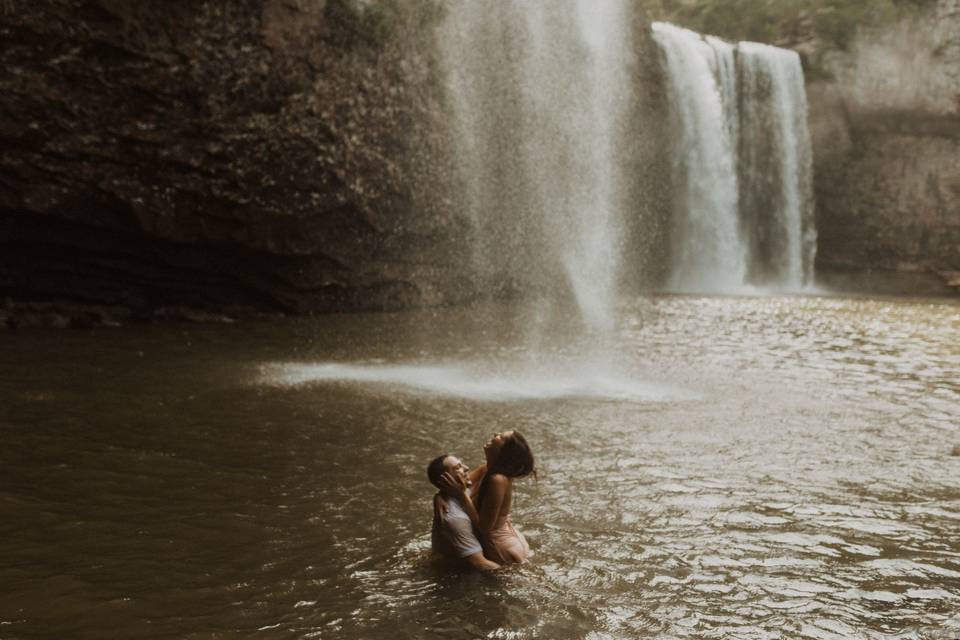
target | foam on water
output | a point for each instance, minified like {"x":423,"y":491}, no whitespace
{"x":457,"y":381}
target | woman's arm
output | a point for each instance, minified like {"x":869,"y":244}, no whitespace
{"x":469,"y":509}
{"x":459,"y":491}
{"x":492,"y":501}
{"x":476,"y":478}
{"x":476,"y":475}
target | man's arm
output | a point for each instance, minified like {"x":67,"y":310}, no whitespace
{"x":480,"y":563}
{"x":465,"y":545}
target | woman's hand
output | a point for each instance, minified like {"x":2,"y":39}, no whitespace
{"x":453,"y":485}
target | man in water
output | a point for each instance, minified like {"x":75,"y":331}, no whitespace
{"x":454,"y":516}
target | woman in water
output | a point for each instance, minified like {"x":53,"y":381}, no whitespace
{"x":508,"y":457}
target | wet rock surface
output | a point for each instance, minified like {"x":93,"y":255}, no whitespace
{"x":212,"y":155}
{"x":886,"y":129}
{"x":271,"y":156}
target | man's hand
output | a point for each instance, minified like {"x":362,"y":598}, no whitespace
{"x":453,"y":485}
{"x":479,"y":562}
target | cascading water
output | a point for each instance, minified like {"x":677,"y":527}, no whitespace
{"x":541,"y":102}
{"x":707,"y":251}
{"x":540,"y":97}
{"x":724,"y":66}
{"x":546,"y":131}
{"x":742,"y":164}
{"x":776,"y":166}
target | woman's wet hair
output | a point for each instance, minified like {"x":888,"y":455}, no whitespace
{"x":514,"y":460}
{"x":436,"y":468}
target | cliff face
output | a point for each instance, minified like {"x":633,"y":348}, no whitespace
{"x":292,"y":155}
{"x":886,"y":133}
{"x":267,"y":154}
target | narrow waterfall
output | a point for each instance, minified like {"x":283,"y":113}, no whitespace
{"x":540,"y":98}
{"x":707,"y":251}
{"x":776,"y":167}
{"x":742,"y":164}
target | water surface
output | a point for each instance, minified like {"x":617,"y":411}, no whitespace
{"x":718,"y":467}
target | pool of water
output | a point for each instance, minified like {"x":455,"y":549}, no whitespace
{"x":717,"y":467}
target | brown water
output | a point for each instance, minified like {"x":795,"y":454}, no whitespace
{"x":720,"y":467}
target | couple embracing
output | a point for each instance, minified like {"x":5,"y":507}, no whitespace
{"x":471,"y":512}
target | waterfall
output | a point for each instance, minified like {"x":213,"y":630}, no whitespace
{"x":542,"y":107}
{"x":776,"y":166}
{"x":742,"y":164}
{"x":723,"y":64}
{"x":540,"y":98}
{"x":707,"y":251}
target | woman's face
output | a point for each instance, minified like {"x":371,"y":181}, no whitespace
{"x":492,"y":448}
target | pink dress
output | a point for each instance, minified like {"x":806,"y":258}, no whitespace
{"x":503,"y":544}
{"x":506,"y":545}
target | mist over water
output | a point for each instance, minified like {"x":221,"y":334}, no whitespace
{"x":473,"y":382}
{"x":540,"y":101}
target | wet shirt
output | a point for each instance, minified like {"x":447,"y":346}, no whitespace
{"x":453,"y":535}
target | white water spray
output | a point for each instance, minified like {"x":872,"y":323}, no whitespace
{"x":540,"y":97}
{"x":461,"y":381}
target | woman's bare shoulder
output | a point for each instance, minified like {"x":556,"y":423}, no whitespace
{"x":498,"y":480}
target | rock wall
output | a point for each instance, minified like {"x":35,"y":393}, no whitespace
{"x":647,"y":234}
{"x":886,"y":133}
{"x":292,"y":156}
{"x":223,"y":155}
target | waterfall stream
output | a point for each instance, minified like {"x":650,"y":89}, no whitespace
{"x":743,"y":210}
{"x":544,"y":109}
{"x":776,"y":166}
{"x":707,"y":249}
{"x":540,"y":97}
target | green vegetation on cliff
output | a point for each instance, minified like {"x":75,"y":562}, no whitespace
{"x":783,"y":21}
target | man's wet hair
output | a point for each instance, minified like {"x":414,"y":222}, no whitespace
{"x":436,"y":468}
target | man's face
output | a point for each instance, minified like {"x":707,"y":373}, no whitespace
{"x":455,"y":467}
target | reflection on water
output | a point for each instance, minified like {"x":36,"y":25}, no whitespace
{"x":268,"y":480}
